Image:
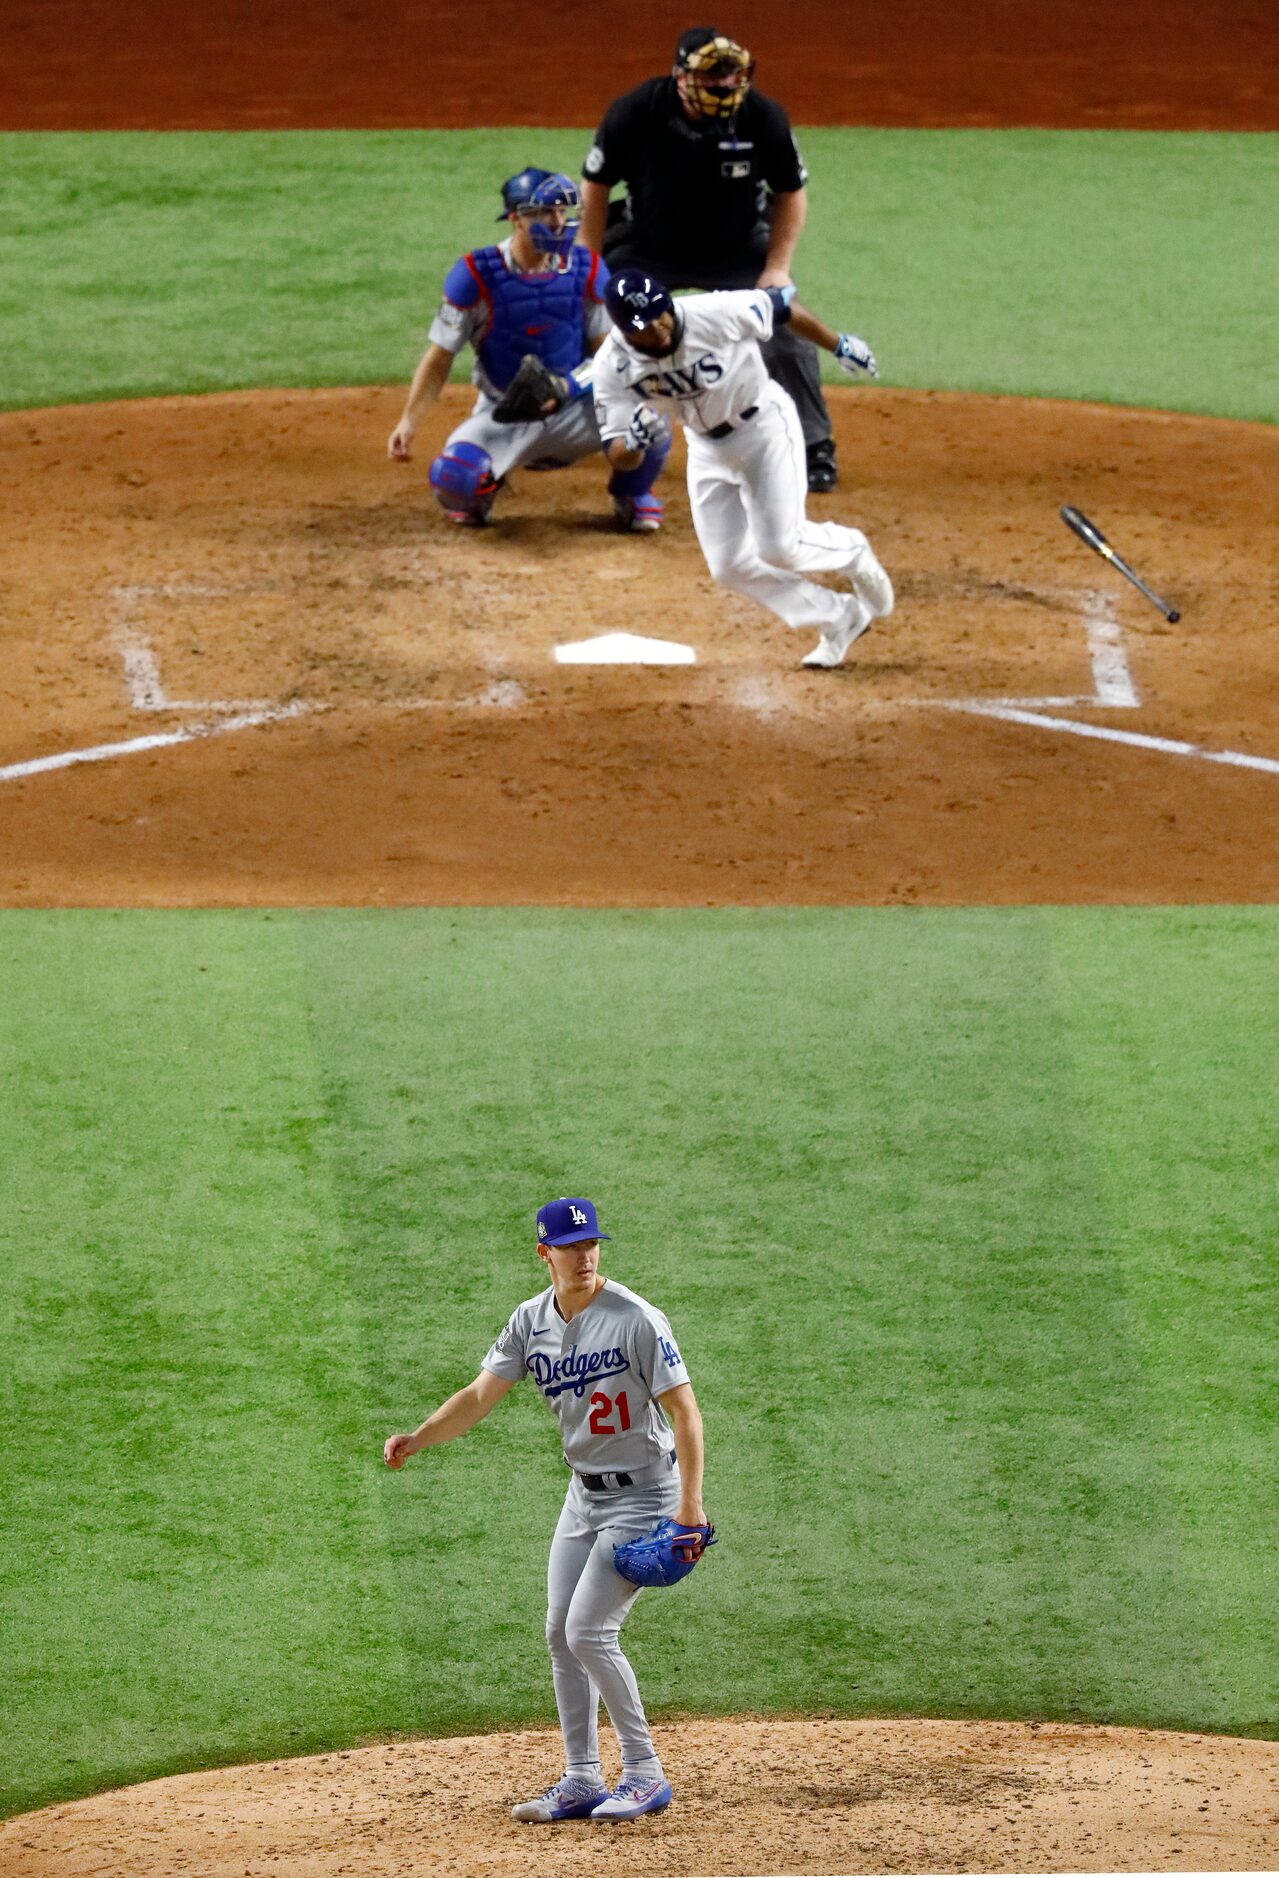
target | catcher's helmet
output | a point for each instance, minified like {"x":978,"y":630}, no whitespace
{"x":554,"y":192}
{"x":714,"y":73}
{"x":518,"y":190}
{"x":635,"y":299}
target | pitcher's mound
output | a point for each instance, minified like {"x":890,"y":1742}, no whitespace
{"x":750,"y":1797}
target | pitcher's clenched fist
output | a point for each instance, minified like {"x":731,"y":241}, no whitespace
{"x":398,"y":1449}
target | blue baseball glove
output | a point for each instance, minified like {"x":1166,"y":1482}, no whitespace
{"x":665,"y":1555}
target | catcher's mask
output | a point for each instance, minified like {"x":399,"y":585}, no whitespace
{"x":635,"y":299}
{"x":713,"y":73}
{"x":556,"y":236}
{"x":517,"y":191}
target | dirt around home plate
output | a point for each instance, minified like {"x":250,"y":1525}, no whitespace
{"x":176,"y":562}
{"x":752,"y":1797}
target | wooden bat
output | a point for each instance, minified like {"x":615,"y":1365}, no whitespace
{"x":1089,"y":532}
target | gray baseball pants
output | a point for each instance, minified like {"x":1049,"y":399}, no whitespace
{"x":587,"y":1600}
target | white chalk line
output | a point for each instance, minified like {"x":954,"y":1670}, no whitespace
{"x":1112,"y":681}
{"x":160,"y":740}
{"x":1105,"y":733}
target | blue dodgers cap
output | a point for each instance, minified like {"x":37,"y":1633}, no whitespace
{"x":564,"y":1222}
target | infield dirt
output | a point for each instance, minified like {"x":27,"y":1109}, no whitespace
{"x":752,"y":1797}
{"x":260,"y":552}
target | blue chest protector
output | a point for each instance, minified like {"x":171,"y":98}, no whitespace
{"x":541,"y":313}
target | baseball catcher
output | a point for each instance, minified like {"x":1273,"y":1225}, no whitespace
{"x":532,"y":309}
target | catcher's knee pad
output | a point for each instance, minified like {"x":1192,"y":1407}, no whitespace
{"x":626,"y":484}
{"x":463,"y":480}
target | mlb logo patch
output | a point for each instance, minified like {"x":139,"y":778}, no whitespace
{"x":735,"y":170}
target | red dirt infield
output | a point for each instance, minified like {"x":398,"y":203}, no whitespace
{"x":183,"y":562}
{"x":277,"y":65}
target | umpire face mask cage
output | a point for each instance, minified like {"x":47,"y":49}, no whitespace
{"x":713,"y":77}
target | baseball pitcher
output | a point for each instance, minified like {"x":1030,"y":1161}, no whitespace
{"x":607,"y":1366}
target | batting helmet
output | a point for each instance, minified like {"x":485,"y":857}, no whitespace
{"x":518,"y":190}
{"x":713,"y":73}
{"x":463,"y":480}
{"x":635,"y":299}
{"x":554,"y":192}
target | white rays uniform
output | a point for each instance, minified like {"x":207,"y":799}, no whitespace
{"x":747,"y":472}
{"x":601,"y":1375}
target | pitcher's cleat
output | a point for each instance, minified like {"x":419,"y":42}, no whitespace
{"x":634,"y":1797}
{"x":569,"y":1798}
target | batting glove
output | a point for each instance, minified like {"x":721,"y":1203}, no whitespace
{"x":854,"y":355}
{"x":644,"y":429}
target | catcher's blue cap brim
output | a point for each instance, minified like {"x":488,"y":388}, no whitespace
{"x":564,"y":1222}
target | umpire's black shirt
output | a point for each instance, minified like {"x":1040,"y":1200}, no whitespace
{"x":698,"y":191}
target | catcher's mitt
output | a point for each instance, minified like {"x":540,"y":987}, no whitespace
{"x":665,"y":1555}
{"x":535,"y":392}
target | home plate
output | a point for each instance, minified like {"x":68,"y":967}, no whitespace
{"x":625,"y":649}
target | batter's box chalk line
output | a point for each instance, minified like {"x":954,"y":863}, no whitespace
{"x":1113,"y":690}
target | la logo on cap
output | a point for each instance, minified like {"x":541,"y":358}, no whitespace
{"x":579,"y":1217}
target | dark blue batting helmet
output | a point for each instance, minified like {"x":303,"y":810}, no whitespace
{"x":634,"y":299}
{"x":517,"y":191}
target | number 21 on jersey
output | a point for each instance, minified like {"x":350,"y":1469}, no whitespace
{"x":602,"y":1407}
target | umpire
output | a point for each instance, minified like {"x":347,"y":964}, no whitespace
{"x":715,"y":198}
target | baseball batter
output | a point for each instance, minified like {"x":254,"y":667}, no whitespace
{"x":536,"y":292}
{"x":698,"y":359}
{"x":607,"y":1366}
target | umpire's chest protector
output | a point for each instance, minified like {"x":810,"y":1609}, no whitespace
{"x":541,"y":313}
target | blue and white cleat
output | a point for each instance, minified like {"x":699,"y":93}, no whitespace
{"x":634,"y":1797}
{"x":569,"y":1798}
{"x":639,"y":515}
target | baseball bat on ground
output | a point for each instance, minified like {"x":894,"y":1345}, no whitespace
{"x":1089,"y":532}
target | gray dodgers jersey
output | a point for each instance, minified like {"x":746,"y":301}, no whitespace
{"x":599,"y":1375}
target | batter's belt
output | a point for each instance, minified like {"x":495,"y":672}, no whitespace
{"x":726,"y":430}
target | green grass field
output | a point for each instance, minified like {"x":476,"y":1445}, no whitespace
{"x":964,"y":1220}
{"x":1130,"y":267}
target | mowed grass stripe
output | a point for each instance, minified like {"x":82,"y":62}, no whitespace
{"x":960,"y":1217}
{"x":1130,"y":267}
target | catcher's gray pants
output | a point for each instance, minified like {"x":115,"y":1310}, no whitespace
{"x":586,"y":1602}
{"x":791,"y":361}
{"x":565,"y":438}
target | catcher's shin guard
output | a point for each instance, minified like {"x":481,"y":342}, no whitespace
{"x":625,"y":485}
{"x":463,"y":480}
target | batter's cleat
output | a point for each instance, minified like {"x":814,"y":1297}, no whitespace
{"x":871,"y":585}
{"x":569,"y":1798}
{"x":831,"y":647}
{"x":634,"y":1797}
{"x":639,"y":515}
{"x":822,"y":473}
{"x":467,"y":518}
